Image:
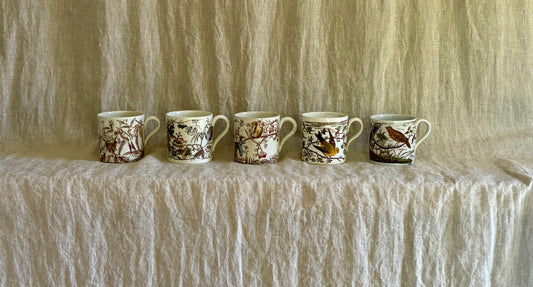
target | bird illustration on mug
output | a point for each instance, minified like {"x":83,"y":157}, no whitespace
{"x":209,"y":133}
{"x":238,"y":146}
{"x":257,"y":130}
{"x":328,"y":148}
{"x":398,"y":136}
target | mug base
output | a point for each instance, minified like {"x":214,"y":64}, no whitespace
{"x":188,"y":161}
{"x":256,"y":163}
{"x":324,"y":163}
{"x":391,"y":163}
{"x":121,"y":161}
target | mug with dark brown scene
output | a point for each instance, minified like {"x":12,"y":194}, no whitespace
{"x":121,"y":136}
{"x":393,"y":138}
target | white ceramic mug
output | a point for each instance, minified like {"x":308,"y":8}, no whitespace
{"x":190,"y":136}
{"x":393,"y":138}
{"x":121,"y":136}
{"x":324,"y":137}
{"x":256,"y":136}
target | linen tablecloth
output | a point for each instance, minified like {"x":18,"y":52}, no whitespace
{"x":461,"y":215}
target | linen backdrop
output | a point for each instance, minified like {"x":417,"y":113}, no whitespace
{"x":463,"y":214}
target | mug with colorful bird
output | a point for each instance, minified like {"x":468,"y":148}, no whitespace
{"x":393,"y":138}
{"x":324,"y":137}
{"x":256,"y":136}
{"x":121,"y":136}
{"x":190,"y":136}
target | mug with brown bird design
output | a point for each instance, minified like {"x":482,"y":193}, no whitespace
{"x":324,"y":137}
{"x":121,"y":136}
{"x":256,"y":136}
{"x":393,"y":138}
{"x":190,"y":136}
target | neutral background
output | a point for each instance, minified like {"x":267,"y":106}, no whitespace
{"x":466,"y":66}
{"x":462,"y":214}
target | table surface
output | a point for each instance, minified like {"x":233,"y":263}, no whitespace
{"x":69,"y":219}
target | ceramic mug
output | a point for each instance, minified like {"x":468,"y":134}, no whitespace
{"x":256,"y":136}
{"x":121,"y":136}
{"x":190,"y":136}
{"x":393,"y":138}
{"x":324,"y":137}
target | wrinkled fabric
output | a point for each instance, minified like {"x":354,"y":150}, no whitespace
{"x":461,"y":215}
{"x":81,"y":222}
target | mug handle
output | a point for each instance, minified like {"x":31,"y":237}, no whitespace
{"x":155,"y":130}
{"x":215,"y":119}
{"x":293,"y":130}
{"x":428,"y":125}
{"x":356,"y":134}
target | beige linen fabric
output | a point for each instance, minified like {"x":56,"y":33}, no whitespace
{"x":462,"y":215}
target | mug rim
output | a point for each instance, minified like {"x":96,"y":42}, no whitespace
{"x":395,"y":118}
{"x":324,"y":116}
{"x":257,"y":115}
{"x":175,"y":114}
{"x":120,"y":114}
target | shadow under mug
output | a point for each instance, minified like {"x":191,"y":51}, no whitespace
{"x":256,"y":136}
{"x":121,"y":136}
{"x":324,"y":137}
{"x":190,"y":136}
{"x":393,"y":138}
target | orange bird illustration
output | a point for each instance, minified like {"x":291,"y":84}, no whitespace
{"x":327,"y":147}
{"x":258,"y":130}
{"x":398,"y":136}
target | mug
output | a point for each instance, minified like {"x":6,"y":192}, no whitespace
{"x":256,"y":136}
{"x":121,"y":135}
{"x":393,"y":138}
{"x":190,"y":136}
{"x":324,"y":137}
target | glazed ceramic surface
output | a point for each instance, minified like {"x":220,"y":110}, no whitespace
{"x":324,"y":138}
{"x":121,"y":136}
{"x":190,"y":136}
{"x":393,"y":138}
{"x":256,"y":137}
